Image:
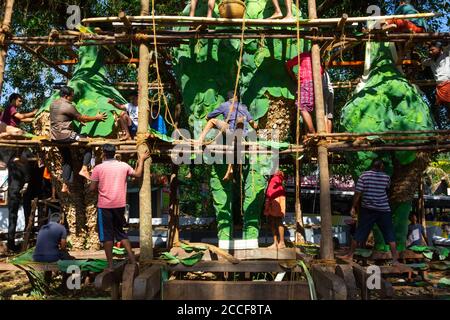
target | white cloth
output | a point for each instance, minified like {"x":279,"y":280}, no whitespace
{"x":440,"y":66}
{"x":133,"y":112}
{"x":414,"y":235}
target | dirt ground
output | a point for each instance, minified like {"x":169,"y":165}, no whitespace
{"x":15,"y":285}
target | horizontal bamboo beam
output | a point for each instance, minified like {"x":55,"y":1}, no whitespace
{"x":365,"y":134}
{"x":435,"y":148}
{"x":360,"y":63}
{"x":175,"y":39}
{"x":108,"y":61}
{"x":192,"y":21}
{"x":354,"y":83}
{"x":48,"y":62}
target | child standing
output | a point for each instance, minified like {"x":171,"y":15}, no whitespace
{"x":275,"y":208}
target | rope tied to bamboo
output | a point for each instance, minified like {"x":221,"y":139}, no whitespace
{"x":141,"y":138}
{"x":4,"y":31}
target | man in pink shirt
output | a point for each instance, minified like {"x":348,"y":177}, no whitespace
{"x":307,"y":89}
{"x":110,"y":178}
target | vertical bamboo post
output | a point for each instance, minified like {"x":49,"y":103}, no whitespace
{"x":5,"y":27}
{"x":145,"y":193}
{"x":174,"y":213}
{"x":326,"y":238}
{"x":421,"y":214}
{"x":299,"y":230}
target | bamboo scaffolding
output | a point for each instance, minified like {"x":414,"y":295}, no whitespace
{"x":365,"y":134}
{"x":174,"y":39}
{"x":326,"y":238}
{"x":353,"y":83}
{"x":338,"y":140}
{"x":195,"y":21}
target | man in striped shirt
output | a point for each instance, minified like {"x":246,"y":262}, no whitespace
{"x":371,"y":192}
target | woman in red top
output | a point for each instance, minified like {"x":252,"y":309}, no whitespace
{"x":275,"y":208}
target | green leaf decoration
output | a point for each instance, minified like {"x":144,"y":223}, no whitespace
{"x":428,"y":254}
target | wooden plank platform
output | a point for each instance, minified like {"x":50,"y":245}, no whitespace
{"x":148,"y":283}
{"x":381,"y":255}
{"x":235,"y":290}
{"x":264,"y":254}
{"x":329,"y":286}
{"x":244,"y":266}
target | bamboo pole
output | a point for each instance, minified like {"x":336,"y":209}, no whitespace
{"x":365,"y":134}
{"x":5,"y":28}
{"x":145,"y":193}
{"x":177,"y":39}
{"x":431,"y":147}
{"x":353,"y":84}
{"x":312,"y":22}
{"x":299,"y":228}
{"x":326,"y":238}
{"x":421,"y":206}
{"x":48,"y":62}
{"x":174,"y":212}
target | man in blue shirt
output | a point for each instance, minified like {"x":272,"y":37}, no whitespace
{"x":51,"y":241}
{"x":235,"y":115}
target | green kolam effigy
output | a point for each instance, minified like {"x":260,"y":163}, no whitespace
{"x":386,"y":101}
{"x":206,"y":69}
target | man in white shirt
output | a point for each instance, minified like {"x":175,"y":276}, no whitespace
{"x":129,"y":117}
{"x":439,"y":62}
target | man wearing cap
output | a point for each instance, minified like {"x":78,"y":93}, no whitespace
{"x":51,"y":241}
{"x":110,"y":179}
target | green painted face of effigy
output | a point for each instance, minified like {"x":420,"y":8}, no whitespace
{"x":206,"y":69}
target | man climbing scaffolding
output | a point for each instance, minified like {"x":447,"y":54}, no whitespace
{"x":403,"y":25}
{"x":11,"y":115}
{"x":278,"y":14}
{"x":62,"y":113}
{"x":211,"y":4}
{"x":11,"y":118}
{"x":237,"y":118}
{"x":307,"y":97}
{"x":439,"y":62}
{"x":129,"y":118}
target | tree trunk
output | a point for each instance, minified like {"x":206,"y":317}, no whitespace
{"x":4,"y":30}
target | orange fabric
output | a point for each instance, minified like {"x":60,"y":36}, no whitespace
{"x":46,"y":174}
{"x":443,"y":93}
{"x":405,"y":26}
{"x":275,"y":207}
